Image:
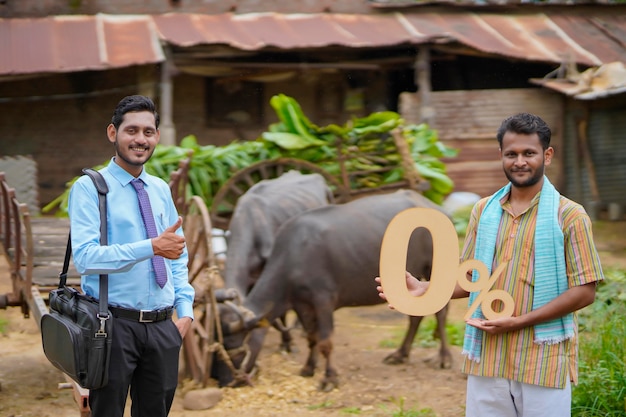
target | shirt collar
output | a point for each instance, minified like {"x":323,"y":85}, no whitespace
{"x":504,"y":201}
{"x":123,"y":176}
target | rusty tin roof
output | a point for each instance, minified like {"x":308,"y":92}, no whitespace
{"x":77,"y":43}
{"x":96,"y":42}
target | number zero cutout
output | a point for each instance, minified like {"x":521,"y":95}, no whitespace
{"x":446,"y":271}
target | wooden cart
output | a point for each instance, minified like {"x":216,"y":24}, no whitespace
{"x":342,"y":183}
{"x":205,"y":339}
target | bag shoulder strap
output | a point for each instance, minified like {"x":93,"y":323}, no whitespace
{"x":98,"y":180}
{"x":103,"y":189}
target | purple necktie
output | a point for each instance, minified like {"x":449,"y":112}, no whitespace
{"x":158,"y":263}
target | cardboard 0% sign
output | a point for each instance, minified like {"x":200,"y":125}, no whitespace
{"x":446,"y":271}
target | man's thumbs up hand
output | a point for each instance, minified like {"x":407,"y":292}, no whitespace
{"x":168,"y":244}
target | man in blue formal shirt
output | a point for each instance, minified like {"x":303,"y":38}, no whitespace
{"x":146,"y":341}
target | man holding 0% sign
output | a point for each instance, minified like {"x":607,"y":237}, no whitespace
{"x":529,"y":251}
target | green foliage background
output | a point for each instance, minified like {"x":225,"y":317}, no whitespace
{"x":365,"y":143}
{"x":601,"y":391}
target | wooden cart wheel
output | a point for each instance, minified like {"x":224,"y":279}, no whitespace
{"x":199,"y":345}
{"x":226,"y":198}
{"x":178,"y":184}
{"x":204,"y":275}
{"x":198,"y":235}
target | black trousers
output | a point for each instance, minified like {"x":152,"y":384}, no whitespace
{"x":144,"y":357}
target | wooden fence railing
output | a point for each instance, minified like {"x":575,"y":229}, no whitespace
{"x":18,"y":250}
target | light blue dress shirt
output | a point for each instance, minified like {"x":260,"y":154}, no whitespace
{"x":127,"y":257}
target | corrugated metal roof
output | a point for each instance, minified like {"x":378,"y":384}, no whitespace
{"x":534,"y":37}
{"x":75,"y":43}
{"x":285,"y":31}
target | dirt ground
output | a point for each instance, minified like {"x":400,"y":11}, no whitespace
{"x":29,"y":385}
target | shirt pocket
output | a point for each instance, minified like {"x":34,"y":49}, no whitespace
{"x":160,"y":217}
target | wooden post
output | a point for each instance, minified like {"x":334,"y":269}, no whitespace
{"x":81,"y":396}
{"x":410,"y":172}
{"x":424,"y":88}
{"x":581,"y":125}
{"x":167,"y":128}
{"x":591,"y":169}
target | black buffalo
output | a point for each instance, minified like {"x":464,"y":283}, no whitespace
{"x":322,"y":260}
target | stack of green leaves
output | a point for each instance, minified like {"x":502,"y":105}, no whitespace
{"x":365,"y":145}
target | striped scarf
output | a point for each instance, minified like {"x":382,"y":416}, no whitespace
{"x":550,"y":272}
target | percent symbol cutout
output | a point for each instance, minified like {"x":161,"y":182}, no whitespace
{"x":444,"y":273}
{"x":486,"y":296}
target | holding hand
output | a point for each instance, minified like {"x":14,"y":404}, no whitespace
{"x":416,"y":287}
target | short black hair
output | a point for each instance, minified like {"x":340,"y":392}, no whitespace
{"x":134,"y":103}
{"x":528,"y":124}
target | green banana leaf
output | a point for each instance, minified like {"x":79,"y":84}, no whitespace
{"x":291,"y":141}
{"x":290,"y":114}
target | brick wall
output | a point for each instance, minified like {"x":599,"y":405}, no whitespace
{"x":63,"y":128}
{"x":61,"y":136}
{"x":467,"y":120}
{"x":60,"y":120}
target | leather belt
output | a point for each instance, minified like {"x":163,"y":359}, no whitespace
{"x":142,"y":316}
